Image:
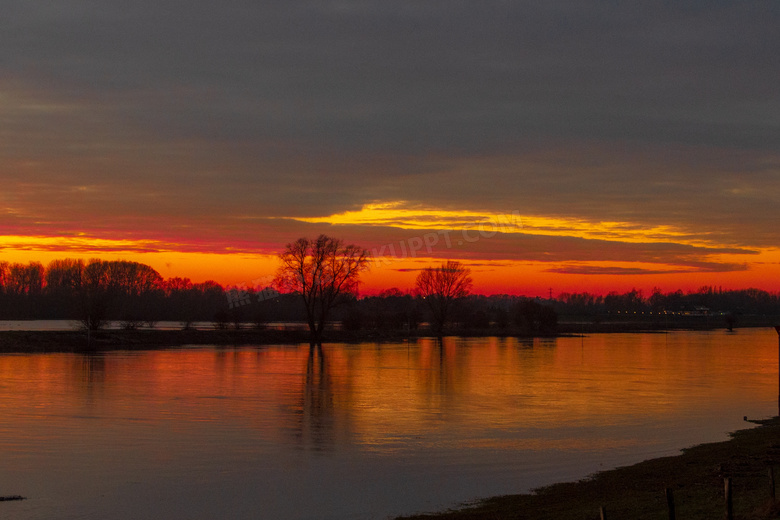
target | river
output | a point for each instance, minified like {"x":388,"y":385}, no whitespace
{"x":360,"y":431}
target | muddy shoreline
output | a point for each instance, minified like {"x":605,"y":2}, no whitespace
{"x":695,"y":478}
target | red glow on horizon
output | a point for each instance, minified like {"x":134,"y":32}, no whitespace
{"x":490,"y":277}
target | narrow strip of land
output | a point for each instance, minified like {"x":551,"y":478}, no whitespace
{"x":26,"y":341}
{"x":696,"y":479}
{"x":19,"y":341}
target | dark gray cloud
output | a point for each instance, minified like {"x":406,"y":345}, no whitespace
{"x":654,"y":112}
{"x":402,"y":76}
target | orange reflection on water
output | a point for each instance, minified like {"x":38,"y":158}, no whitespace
{"x":486,"y":392}
{"x":277,"y":428}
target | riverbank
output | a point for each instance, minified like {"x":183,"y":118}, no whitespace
{"x":22,"y":341}
{"x":695,"y":478}
{"x":25,"y":341}
{"x":139,"y":339}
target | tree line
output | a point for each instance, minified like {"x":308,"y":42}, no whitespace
{"x":95,"y":292}
{"x":706,"y":300}
{"x":318,"y":276}
{"x":319,"y":279}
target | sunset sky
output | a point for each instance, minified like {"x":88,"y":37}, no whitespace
{"x":563,"y":145}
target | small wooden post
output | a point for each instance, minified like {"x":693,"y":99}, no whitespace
{"x":772,"y":483}
{"x":729,"y":505}
{"x":603,"y":512}
{"x":777,"y":329}
{"x":670,"y":503}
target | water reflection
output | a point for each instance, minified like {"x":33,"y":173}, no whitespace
{"x":93,"y":369}
{"x":362,"y":430}
{"x":315,"y":415}
{"x":91,"y":373}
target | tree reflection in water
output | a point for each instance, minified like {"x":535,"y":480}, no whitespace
{"x":92,"y":375}
{"x":315,"y":421}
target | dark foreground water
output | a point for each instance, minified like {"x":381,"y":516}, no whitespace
{"x":359,"y":431}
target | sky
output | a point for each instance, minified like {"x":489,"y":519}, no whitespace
{"x":559,"y":146}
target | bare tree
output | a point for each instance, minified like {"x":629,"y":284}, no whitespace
{"x":114,"y":289}
{"x":441,"y":287}
{"x":324,"y":272}
{"x":23,"y":285}
{"x":26,"y":280}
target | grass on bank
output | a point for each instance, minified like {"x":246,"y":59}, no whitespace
{"x":696,"y":478}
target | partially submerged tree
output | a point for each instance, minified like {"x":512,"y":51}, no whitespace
{"x":441,"y":287}
{"x":324,"y":272}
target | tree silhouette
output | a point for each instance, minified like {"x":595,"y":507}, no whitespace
{"x":534,"y":318}
{"x":441,"y":287}
{"x":23,"y":286}
{"x":64,"y":279}
{"x":324,"y":272}
{"x":114,"y":288}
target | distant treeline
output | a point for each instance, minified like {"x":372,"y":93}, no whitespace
{"x":95,"y":292}
{"x":393,"y":310}
{"x":708,"y":300}
{"x":517,"y":314}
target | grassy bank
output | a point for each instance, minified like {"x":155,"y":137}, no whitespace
{"x":696,"y":479}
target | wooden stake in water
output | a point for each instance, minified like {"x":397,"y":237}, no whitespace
{"x":670,"y":503}
{"x":777,"y":329}
{"x":729,"y":506}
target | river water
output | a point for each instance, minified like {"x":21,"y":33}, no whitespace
{"x":360,"y":431}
